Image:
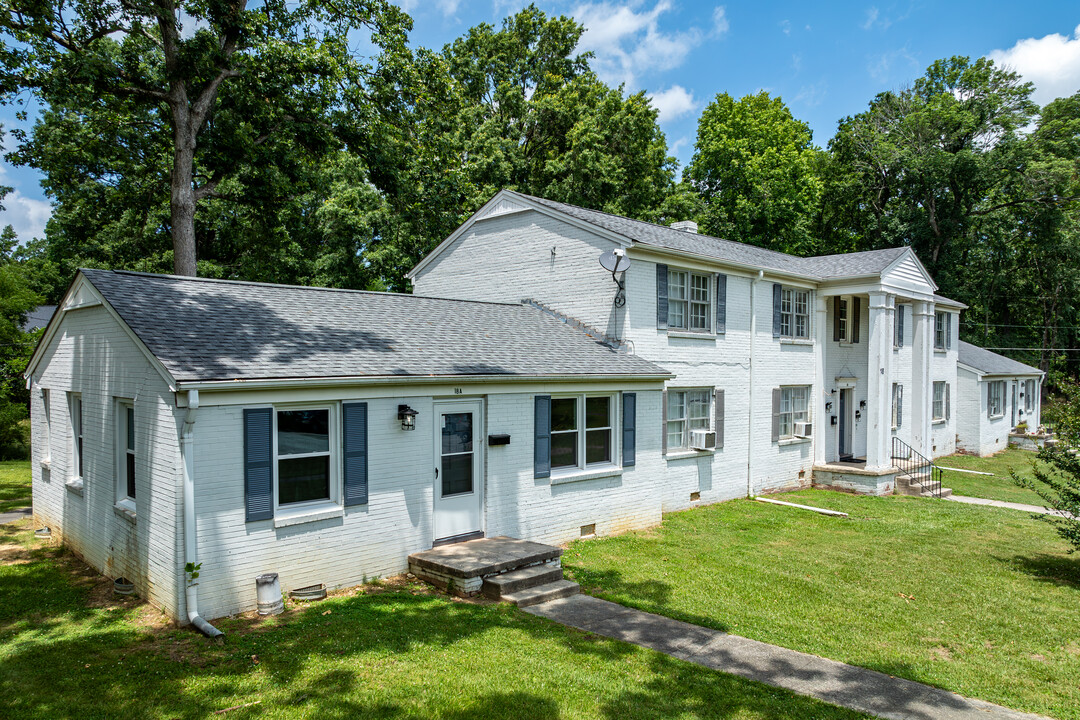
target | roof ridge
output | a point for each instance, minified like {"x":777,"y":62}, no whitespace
{"x":227,"y":281}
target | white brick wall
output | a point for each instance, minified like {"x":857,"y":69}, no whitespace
{"x":92,"y":355}
{"x":977,"y":433}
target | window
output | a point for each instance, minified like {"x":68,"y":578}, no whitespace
{"x":569,"y":445}
{"x":688,"y":301}
{"x":939,"y":401}
{"x":794,"y":313}
{"x":995,"y":398}
{"x":304,"y":463}
{"x":1029,"y":396}
{"x":686,"y":410}
{"x":794,"y":408}
{"x":843,"y":320}
{"x":46,"y":451}
{"x":898,"y":327}
{"x":76,"y":409}
{"x":897,"y":405}
{"x":942,"y":328}
{"x":125,"y":434}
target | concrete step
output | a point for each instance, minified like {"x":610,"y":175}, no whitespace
{"x":498,"y":586}
{"x":543,"y":593}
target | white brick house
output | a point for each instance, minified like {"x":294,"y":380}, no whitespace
{"x":997,"y":393}
{"x":258,"y":428}
{"x":805,"y":368}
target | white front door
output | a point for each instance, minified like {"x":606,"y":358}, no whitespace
{"x":459,"y":479}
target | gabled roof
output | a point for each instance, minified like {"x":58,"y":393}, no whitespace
{"x":986,"y":362}
{"x":38,"y":317}
{"x":623,"y":229}
{"x":204,"y":330}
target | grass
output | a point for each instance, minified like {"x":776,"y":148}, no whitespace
{"x":68,"y":648}
{"x":998,"y":487}
{"x":981,"y":601}
{"x":14,"y":484}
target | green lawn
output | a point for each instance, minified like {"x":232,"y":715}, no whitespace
{"x":998,"y":487}
{"x":14,"y":484}
{"x":982,"y":601}
{"x":69,"y":649}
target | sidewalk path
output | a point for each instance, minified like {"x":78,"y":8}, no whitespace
{"x":1001,"y":503}
{"x":834,"y":682}
{"x":16,"y":514}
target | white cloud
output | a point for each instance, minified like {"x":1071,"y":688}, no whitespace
{"x":720,"y":21}
{"x":785,"y":27}
{"x":871,"y":17}
{"x":812,"y":95}
{"x":27,"y":215}
{"x":628,"y":41}
{"x":678,"y":145}
{"x":446,"y":7}
{"x":1051,"y":62}
{"x":881,"y":67}
{"x":673,"y":103}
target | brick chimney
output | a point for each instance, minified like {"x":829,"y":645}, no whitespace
{"x":685,"y":225}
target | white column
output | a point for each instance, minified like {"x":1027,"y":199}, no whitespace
{"x":922,"y":393}
{"x":820,"y":418}
{"x":879,"y":383}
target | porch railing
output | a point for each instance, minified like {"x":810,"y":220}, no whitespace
{"x":916,"y":468}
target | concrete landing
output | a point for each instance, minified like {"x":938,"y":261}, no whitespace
{"x":464,"y":568}
{"x":833,"y":682}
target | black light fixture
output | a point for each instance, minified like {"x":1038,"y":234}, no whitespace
{"x":407,"y":416}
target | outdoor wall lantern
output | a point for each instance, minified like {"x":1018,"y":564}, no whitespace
{"x":828,"y":406}
{"x":407,"y":416}
{"x":862,"y":404}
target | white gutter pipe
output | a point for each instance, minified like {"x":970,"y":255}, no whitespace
{"x":187,"y":452}
{"x":750,"y":400}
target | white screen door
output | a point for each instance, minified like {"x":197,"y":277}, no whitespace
{"x":459,"y":480}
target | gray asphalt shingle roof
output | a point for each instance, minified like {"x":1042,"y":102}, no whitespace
{"x":202,"y":329}
{"x":824,"y":266}
{"x":991,"y":363}
{"x":39,"y":317}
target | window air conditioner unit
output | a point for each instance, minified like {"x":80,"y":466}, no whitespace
{"x":803,"y":429}
{"x":702,"y":439}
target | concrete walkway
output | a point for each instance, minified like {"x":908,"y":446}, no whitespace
{"x":16,"y":514}
{"x":834,"y":682}
{"x":1001,"y":503}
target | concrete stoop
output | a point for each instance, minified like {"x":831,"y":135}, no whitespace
{"x":918,"y":486}
{"x":503,"y":568}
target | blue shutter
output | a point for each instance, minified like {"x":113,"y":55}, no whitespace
{"x":856,"y":318}
{"x":354,"y":444}
{"x":721,"y":303}
{"x":776,"y":414}
{"x":258,"y":465}
{"x":777,"y":295}
{"x":899,"y":406}
{"x":718,"y":421}
{"x":542,"y":437}
{"x":629,"y":428}
{"x":948,"y":331}
{"x":661,"y":296}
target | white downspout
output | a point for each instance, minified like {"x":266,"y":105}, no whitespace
{"x":191,"y":555}
{"x":750,"y":400}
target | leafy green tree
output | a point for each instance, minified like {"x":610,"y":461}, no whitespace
{"x":192,"y":101}
{"x":16,"y":300}
{"x":757,"y":172}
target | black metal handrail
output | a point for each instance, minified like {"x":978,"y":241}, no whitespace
{"x":916,"y":467}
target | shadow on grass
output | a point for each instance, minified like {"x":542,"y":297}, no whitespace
{"x":1054,"y":569}
{"x":651,"y":595}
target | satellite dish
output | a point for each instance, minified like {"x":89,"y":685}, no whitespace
{"x":614,"y":261}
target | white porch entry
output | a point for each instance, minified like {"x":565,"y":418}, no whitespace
{"x":459,"y":476}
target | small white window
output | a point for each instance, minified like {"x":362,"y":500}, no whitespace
{"x":995,"y":399}
{"x":75,"y":408}
{"x":572,"y":448}
{"x":1029,"y":396}
{"x":939,"y":400}
{"x":125,"y":437}
{"x":843,"y":319}
{"x":940,"y":330}
{"x":304,"y":456}
{"x":897,"y":405}
{"x":689,"y":301}
{"x":794,"y":313}
{"x":46,"y":450}
{"x":794,"y":408}
{"x":687,"y":410}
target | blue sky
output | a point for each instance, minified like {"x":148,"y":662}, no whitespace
{"x":826,"y":60}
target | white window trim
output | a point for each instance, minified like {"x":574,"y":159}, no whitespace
{"x":603,"y":468}
{"x":710,"y":420}
{"x":120,"y":408}
{"x":792,"y":438}
{"x":846,"y":304}
{"x":710,"y":304}
{"x":312,"y":509}
{"x":46,"y":453}
{"x":77,"y":425}
{"x":897,"y":404}
{"x":940,"y":314}
{"x":809,"y":336}
{"x":935,"y":418}
{"x":1000,"y":385}
{"x":1029,"y":396}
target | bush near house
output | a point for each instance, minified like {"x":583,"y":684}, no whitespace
{"x":978,"y":600}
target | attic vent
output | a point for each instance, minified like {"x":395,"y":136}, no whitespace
{"x":685,"y":225}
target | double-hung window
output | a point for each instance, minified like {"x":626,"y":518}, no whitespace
{"x":46,"y":450}
{"x":305,"y":466}
{"x":794,"y":313}
{"x":794,"y":408}
{"x":582,"y":431}
{"x":689,"y":301}
{"x":939,"y":401}
{"x":897,"y":405}
{"x":1029,"y":396}
{"x":687,"y":410}
{"x":125,"y":451}
{"x":941,"y":330}
{"x":75,"y":407}
{"x":995,"y":398}
{"x":843,"y":319}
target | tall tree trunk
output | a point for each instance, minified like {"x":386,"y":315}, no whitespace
{"x":182,"y":200}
